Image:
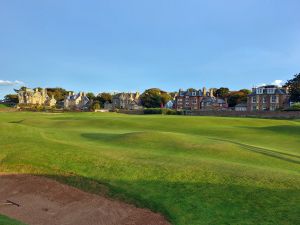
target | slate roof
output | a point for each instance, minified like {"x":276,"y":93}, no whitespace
{"x":197,"y":93}
{"x":278,"y":90}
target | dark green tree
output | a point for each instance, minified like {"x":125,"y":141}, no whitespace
{"x":11,"y":98}
{"x":154,"y":98}
{"x":104,"y":97}
{"x":222,"y":92}
{"x":58,"y":93}
{"x":91,"y":96}
{"x":236,"y":97}
{"x":294,"y":88}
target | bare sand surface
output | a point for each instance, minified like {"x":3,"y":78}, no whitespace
{"x":47,"y":202}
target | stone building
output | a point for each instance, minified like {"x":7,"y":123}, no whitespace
{"x":268,"y":98}
{"x":35,"y":97}
{"x":128,"y":101}
{"x":77,"y":101}
{"x":198,"y":100}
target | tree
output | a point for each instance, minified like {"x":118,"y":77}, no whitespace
{"x":222,"y":92}
{"x":90,"y":95}
{"x":11,"y":98}
{"x":294,"y":88}
{"x":154,"y":98}
{"x":58,"y":93}
{"x":236,"y":97}
{"x":95,"y":105}
{"x":104,"y":97}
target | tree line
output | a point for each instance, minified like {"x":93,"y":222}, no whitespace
{"x":156,"y":98}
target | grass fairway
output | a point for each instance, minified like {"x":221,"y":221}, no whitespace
{"x":4,"y":220}
{"x":194,"y":170}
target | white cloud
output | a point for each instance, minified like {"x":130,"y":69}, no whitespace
{"x":278,"y":82}
{"x":10,"y":83}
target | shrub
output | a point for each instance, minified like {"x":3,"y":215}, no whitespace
{"x":162,"y":111}
{"x":294,"y":107}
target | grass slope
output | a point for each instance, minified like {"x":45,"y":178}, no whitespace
{"x":4,"y":220}
{"x":195,"y":170}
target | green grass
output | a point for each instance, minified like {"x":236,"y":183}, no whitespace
{"x":4,"y":220}
{"x":194,"y":170}
{"x":3,"y":106}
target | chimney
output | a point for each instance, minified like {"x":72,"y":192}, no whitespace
{"x":204,"y":91}
{"x":211,"y":92}
{"x":70,"y":93}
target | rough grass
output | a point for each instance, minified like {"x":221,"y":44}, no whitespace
{"x":3,"y":106}
{"x":4,"y":220}
{"x":194,"y":170}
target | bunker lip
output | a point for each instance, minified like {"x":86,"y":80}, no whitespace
{"x":48,"y":202}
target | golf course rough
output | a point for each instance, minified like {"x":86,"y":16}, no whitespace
{"x":193,"y":170}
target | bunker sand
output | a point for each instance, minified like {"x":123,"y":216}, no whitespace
{"x":48,"y":202}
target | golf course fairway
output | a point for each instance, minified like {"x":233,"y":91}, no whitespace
{"x":193,"y":170}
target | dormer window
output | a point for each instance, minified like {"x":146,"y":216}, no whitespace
{"x":270,"y":90}
{"x":260,"y":91}
{"x":194,"y":93}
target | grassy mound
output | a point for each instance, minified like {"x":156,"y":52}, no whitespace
{"x":4,"y":220}
{"x":195,"y":170}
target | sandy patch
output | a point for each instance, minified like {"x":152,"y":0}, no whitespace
{"x":46,"y":202}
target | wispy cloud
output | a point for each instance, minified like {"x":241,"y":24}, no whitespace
{"x":278,"y":82}
{"x":10,"y":83}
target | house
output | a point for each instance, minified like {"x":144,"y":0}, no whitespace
{"x":211,"y":103}
{"x":241,"y":107}
{"x":108,"y":105}
{"x":77,"y":101}
{"x":35,"y":97}
{"x":198,"y":100}
{"x":268,"y":98}
{"x":170,"y":104}
{"x":128,"y":101}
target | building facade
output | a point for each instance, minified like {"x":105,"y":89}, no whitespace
{"x":77,"y":101}
{"x":35,"y":97}
{"x":128,"y":101}
{"x":198,"y":100}
{"x":268,"y":98}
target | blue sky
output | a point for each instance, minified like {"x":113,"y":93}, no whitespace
{"x":108,"y":45}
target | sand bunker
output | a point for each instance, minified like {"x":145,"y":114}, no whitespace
{"x":46,"y":202}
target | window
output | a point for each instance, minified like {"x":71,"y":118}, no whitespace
{"x":272,"y":108}
{"x":194,"y":93}
{"x":264,"y":108}
{"x":274,"y":99}
{"x":259,"y":91}
{"x":194,"y":101}
{"x":186,"y":96}
{"x":270,"y":90}
{"x":264,"y":99}
{"x":254,"y":99}
{"x":254,"y":108}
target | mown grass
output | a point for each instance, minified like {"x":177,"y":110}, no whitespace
{"x":4,"y":220}
{"x":194,"y":170}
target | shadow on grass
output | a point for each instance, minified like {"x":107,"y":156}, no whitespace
{"x":199,"y":203}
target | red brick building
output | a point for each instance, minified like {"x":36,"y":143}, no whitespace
{"x":198,"y":100}
{"x":268,"y":98}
